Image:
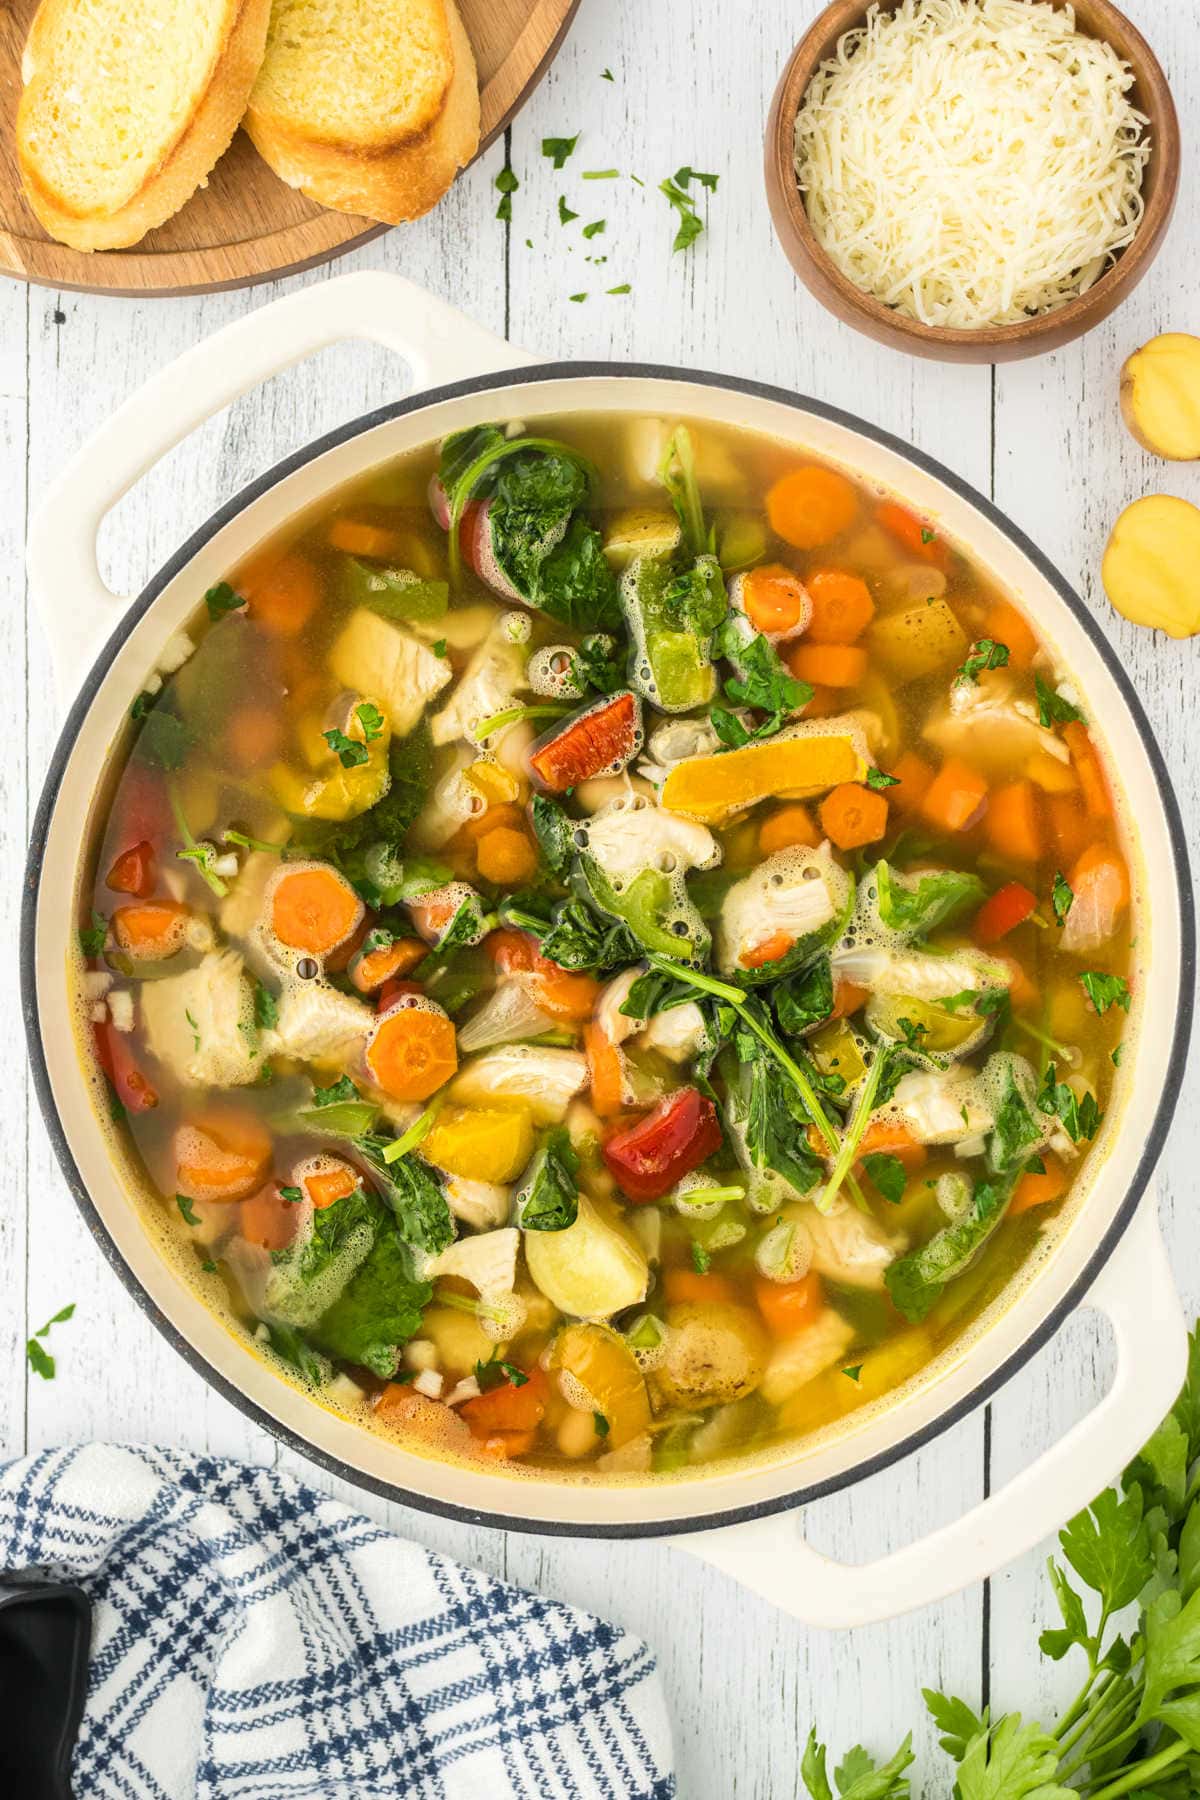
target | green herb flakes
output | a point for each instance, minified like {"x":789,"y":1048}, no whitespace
{"x":558,"y":149}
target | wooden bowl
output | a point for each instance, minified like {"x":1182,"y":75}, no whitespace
{"x":993,"y":343}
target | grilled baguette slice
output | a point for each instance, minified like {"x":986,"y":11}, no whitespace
{"x":127,"y":105}
{"x":367,"y":106}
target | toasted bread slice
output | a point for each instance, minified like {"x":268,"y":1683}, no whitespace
{"x":127,"y":106}
{"x":368,"y":106}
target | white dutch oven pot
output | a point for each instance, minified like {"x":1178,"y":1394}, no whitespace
{"x":1109,"y":1255}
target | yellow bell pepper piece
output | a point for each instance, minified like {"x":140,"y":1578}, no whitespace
{"x":481,"y":1143}
{"x":835,"y":1052}
{"x":714,"y":788}
{"x":605,"y":1377}
{"x":338,"y":793}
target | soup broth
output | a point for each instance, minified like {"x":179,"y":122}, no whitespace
{"x":609,"y":945}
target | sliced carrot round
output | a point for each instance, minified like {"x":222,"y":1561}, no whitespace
{"x":370,"y":969}
{"x":789,"y":1307}
{"x":506,"y":857}
{"x":774,"y":599}
{"x":282,"y":595}
{"x":842,"y":607}
{"x":811,"y":506}
{"x":412,"y":1051}
{"x":853,"y":815}
{"x":828,"y":665}
{"x":786,"y":827}
{"x":221,"y":1154}
{"x":313,"y":908}
{"x":684,"y":1287}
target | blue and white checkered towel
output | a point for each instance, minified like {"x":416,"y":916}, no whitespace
{"x":255,"y":1641}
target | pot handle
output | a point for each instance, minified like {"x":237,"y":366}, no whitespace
{"x":438,"y":343}
{"x":1136,"y":1293}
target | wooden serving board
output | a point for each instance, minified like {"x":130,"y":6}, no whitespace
{"x":247,"y":225}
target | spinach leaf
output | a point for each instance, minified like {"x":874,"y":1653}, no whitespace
{"x":917,"y":1281}
{"x":1105,"y":990}
{"x":378,"y":1310}
{"x":773,"y":1122}
{"x":310,"y":1273}
{"x":761,"y":682}
{"x":677,"y":469}
{"x":414,"y":1195}
{"x":986,"y":654}
{"x":555,"y":834}
{"x":651,"y":908}
{"x":804,"y":1000}
{"x":654,"y":993}
{"x":1080,"y":1118}
{"x":164,"y":740}
{"x":1052,"y":708}
{"x":1016,"y":1129}
{"x":349,"y":845}
{"x":915,"y":904}
{"x":599,"y":664}
{"x":888,"y":1175}
{"x":548,"y":1199}
{"x":291,"y":1347}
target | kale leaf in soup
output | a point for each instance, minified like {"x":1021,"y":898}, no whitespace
{"x":609,"y":920}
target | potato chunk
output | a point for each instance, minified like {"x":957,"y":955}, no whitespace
{"x":1151,"y":567}
{"x":1160,"y":396}
{"x":715,"y":1353}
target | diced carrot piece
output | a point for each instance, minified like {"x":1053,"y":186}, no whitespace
{"x":848,"y":998}
{"x":283,"y":594}
{"x":412,"y":1051}
{"x":253,"y":735}
{"x":842,"y":607}
{"x":1005,"y":625}
{"x":825,"y":702}
{"x":915,"y":777}
{"x":513,"y":952}
{"x":314,"y":909}
{"x":590,"y":743}
{"x":506,"y":813}
{"x":151,"y":930}
{"x":267,"y":1219}
{"x":506,"y":857}
{"x":854,"y":815}
{"x":116,"y":1057}
{"x":773,"y":598}
{"x":558,"y":991}
{"x":357,"y":537}
{"x":770,"y":949}
{"x":393,"y":989}
{"x":133,"y":871}
{"x":891,"y":1138}
{"x":1012,"y":824}
{"x":221,"y":1154}
{"x":955,"y":797}
{"x":506,"y":1446}
{"x":1070,"y":828}
{"x":689,"y":1287}
{"x":918,"y":538}
{"x":1007,"y":908}
{"x":789,"y":1307}
{"x":508,"y":1407}
{"x":1051,"y":775}
{"x":604,"y":1071}
{"x":1039,"y":1190}
{"x":828,"y":665}
{"x":338,"y":960}
{"x":369,"y":971}
{"x":1022,"y":990}
{"x":1100,"y":882}
{"x":786,"y":827}
{"x":713,"y":788}
{"x":325,"y":1186}
{"x":1089,"y":769}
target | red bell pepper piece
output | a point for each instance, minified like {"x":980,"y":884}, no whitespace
{"x":648,"y":1158}
{"x":116,"y":1058}
{"x":133,"y":872}
{"x":600,"y":740}
{"x":1008,"y":907}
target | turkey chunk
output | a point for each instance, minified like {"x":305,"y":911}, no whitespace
{"x":482,"y":1205}
{"x":488,"y":1262}
{"x":800,"y":1359}
{"x":678,"y":1034}
{"x":795,"y":892}
{"x":546,"y":1080}
{"x":850,"y":1246}
{"x":489,"y":684}
{"x":941,"y":1108}
{"x":318,"y":1024}
{"x":629,"y":835}
{"x":201,"y":1023}
{"x":373,"y":656}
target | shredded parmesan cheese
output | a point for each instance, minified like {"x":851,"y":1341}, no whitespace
{"x":972,"y":162}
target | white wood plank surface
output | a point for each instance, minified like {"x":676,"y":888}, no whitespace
{"x":691,"y":85}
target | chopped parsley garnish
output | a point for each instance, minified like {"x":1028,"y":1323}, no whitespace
{"x":222,"y":599}
{"x":371,"y":720}
{"x":565,"y":215}
{"x":887,"y":1173}
{"x":927,"y":536}
{"x":349,"y":753}
{"x":601,"y":174}
{"x":700,"y":1258}
{"x":1080,"y":1118}
{"x":624,"y":288}
{"x":266,"y":1007}
{"x":208,"y":1266}
{"x":878,"y":780}
{"x":607,"y":75}
{"x":577,"y":297}
{"x":195,"y":1029}
{"x":1052,"y":708}
{"x":601,"y":1424}
{"x":595,"y":228}
{"x":854,"y":1372}
{"x":141,"y":705}
{"x":1062,"y":896}
{"x":1117,"y":1055}
{"x":690,"y":222}
{"x":91,"y":938}
{"x":439,"y":649}
{"x":986,"y":654}
{"x":492,"y":1373}
{"x":339,"y":1091}
{"x":685,"y":175}
{"x":506,"y":186}
{"x":559,"y":148}
{"x":184,"y":1203}
{"x":291,"y":1196}
{"x":1105,"y":990}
